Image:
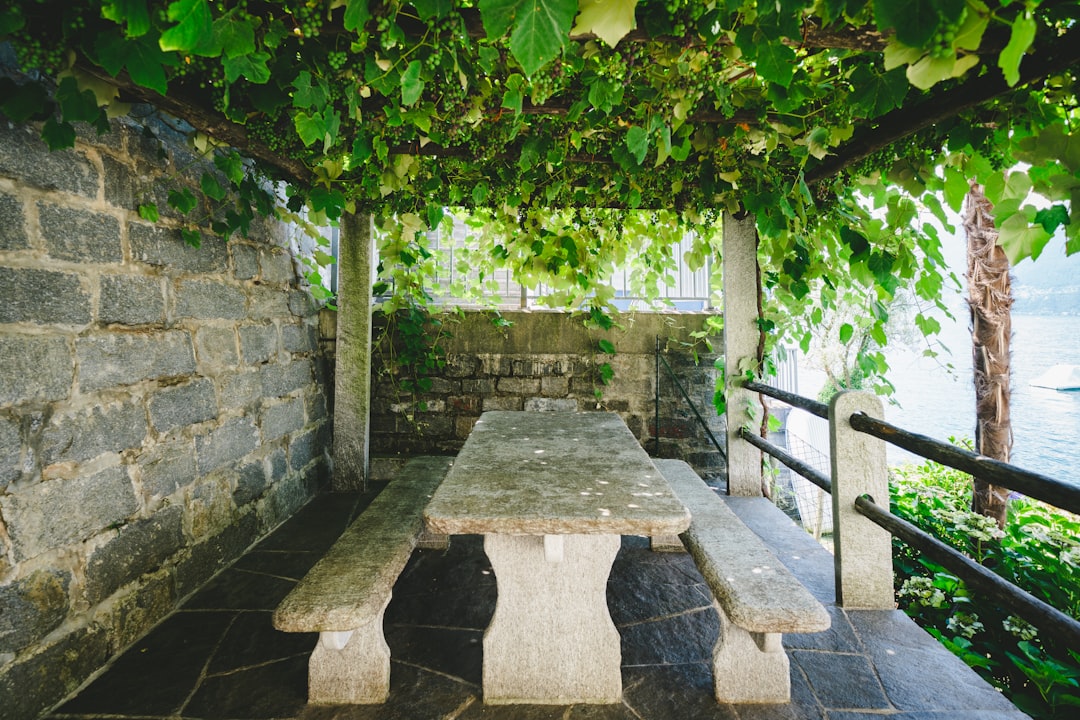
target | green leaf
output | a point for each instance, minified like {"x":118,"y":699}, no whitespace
{"x":846,"y":332}
{"x":606,"y":346}
{"x":58,"y":135}
{"x":609,"y":20}
{"x":776,"y":63}
{"x":24,"y":102}
{"x":607,"y":373}
{"x":211,"y":187}
{"x":232,"y":165}
{"x":148,"y":211}
{"x":1020,"y":39}
{"x":432,"y":9}
{"x":876,"y":94}
{"x":132,"y":12}
{"x":927,"y":325}
{"x":540,"y":27}
{"x":184,"y":201}
{"x":357,"y":14}
{"x":11,"y":20}
{"x":142,"y":58}
{"x":308,"y":95}
{"x":915,"y":21}
{"x":412,"y":87}
{"x":637,"y":140}
{"x":194,"y":29}
{"x":1019,"y":239}
{"x":1052,"y":218}
{"x":235,"y":34}
{"x":252,"y":67}
{"x":191,"y":237}
{"x":956,"y":188}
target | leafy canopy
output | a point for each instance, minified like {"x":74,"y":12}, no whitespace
{"x":841,"y":125}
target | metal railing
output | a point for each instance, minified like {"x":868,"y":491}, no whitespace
{"x":861,"y":503}
{"x":660,"y":360}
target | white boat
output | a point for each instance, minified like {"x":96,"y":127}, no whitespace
{"x":1059,"y":377}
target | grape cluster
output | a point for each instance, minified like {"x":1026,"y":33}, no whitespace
{"x":307,"y":19}
{"x":337,"y":59}
{"x":942,"y":43}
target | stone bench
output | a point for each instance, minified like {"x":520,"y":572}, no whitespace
{"x":344,"y":595}
{"x":756,"y":597}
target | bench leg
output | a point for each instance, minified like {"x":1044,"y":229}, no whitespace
{"x":749,"y":667}
{"x":351,"y":668}
{"x":666,"y":543}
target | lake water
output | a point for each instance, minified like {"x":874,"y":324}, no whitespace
{"x":936,"y":402}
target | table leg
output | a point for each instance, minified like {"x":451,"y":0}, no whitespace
{"x":551,"y":640}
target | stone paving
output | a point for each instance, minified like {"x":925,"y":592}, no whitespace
{"x":218,"y":657}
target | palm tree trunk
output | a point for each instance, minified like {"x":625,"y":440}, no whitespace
{"x":990,"y":302}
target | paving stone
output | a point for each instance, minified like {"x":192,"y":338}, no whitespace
{"x":252,"y":640}
{"x":274,"y":690}
{"x":156,"y":676}
{"x":840,"y":635}
{"x":319,"y":524}
{"x":680,"y":639}
{"x":842,"y":680}
{"x":416,"y":694}
{"x":280,"y":563}
{"x":236,"y":589}
{"x":30,"y":295}
{"x":673,"y":691}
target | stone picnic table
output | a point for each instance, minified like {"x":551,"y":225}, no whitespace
{"x":552,"y":494}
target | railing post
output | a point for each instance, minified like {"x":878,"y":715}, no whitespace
{"x":863,"y":557}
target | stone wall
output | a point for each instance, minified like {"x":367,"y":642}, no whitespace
{"x":550,"y":361}
{"x":161,"y":407}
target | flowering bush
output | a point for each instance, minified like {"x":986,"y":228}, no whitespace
{"x":1039,"y":550}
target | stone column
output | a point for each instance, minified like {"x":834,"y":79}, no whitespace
{"x":352,"y":373}
{"x":863,"y":555}
{"x":740,"y":350}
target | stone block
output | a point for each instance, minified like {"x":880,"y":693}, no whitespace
{"x":168,"y":467}
{"x":53,"y":368}
{"x":32,"y":684}
{"x":463,"y":403}
{"x":508,"y":402}
{"x":139,"y":548}
{"x":279,"y":465}
{"x":461,"y":366}
{"x":136,"y":612}
{"x":497,"y":365}
{"x":25,"y":157}
{"x":258,"y":343}
{"x":209,"y":556}
{"x":316,"y":406}
{"x":216,"y":346}
{"x":240,"y":389}
{"x":112,"y":359}
{"x":32,"y":607}
{"x":554,"y":386}
{"x":481,"y":386}
{"x":121,"y":183}
{"x":282,"y":419}
{"x":164,"y":247}
{"x":183,"y":405}
{"x":79,"y":235}
{"x":101,"y":429}
{"x":10,"y":451}
{"x":210,"y":506}
{"x":302,"y":304}
{"x":131,"y":300}
{"x":518,"y":385}
{"x":298,"y":338}
{"x":251,"y":483}
{"x":537,"y":367}
{"x":210,"y":300}
{"x":276,"y":266}
{"x":302,"y":450}
{"x":442,"y":386}
{"x":88,"y":504}
{"x":245,"y":260}
{"x":12,"y":224}
{"x":282,"y":378}
{"x":266,"y":303}
{"x":542,"y":404}
{"x":29,"y":295}
{"x":232,"y":441}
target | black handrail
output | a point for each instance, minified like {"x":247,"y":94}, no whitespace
{"x":995,"y":472}
{"x":701,"y":421}
{"x":1046,"y":617}
{"x":820,"y":479}
{"x":811,"y":406}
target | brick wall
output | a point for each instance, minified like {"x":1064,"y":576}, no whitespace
{"x":161,"y":407}
{"x":549,"y":361}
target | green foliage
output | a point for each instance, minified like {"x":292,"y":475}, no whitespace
{"x":1039,"y":550}
{"x":516,"y":109}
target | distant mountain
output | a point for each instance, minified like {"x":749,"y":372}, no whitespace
{"x":1049,"y":285}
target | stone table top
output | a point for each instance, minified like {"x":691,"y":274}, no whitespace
{"x":554,"y":473}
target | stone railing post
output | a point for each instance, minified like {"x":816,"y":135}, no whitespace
{"x":863,"y":557}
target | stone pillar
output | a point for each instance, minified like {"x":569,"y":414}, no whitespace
{"x":352,"y":373}
{"x":863,"y":556}
{"x":740,"y":350}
